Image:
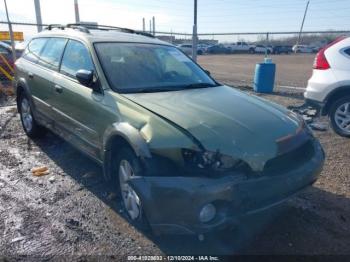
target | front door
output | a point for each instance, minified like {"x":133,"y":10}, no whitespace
{"x":78,"y":108}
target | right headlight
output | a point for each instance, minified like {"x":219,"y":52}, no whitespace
{"x":212,"y":160}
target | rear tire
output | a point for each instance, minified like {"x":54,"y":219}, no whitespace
{"x":127,"y":166}
{"x":340,"y":116}
{"x":29,"y":124}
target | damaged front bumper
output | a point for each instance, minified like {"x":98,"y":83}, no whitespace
{"x":172,"y":204}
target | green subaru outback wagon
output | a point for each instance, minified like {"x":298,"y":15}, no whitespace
{"x":187,"y":154}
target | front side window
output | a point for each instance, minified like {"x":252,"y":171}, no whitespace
{"x":50,"y":57}
{"x":34,"y":48}
{"x":76,"y":57}
{"x":131,"y":67}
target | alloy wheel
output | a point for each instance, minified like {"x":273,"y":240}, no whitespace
{"x":130,"y":198}
{"x":26,"y":115}
{"x":342,"y":117}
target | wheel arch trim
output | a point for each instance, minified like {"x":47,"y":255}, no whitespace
{"x":129,"y":134}
{"x":334,"y":93}
{"x":21,"y":83}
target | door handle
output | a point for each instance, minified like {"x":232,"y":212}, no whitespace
{"x":58,"y":89}
{"x":31,"y":75}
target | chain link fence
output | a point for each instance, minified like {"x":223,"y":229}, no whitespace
{"x":221,"y":54}
{"x":232,"y":57}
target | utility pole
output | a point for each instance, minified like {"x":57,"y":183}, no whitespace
{"x":194,"y":35}
{"x":150,"y":26}
{"x":302,"y":24}
{"x":11,"y":34}
{"x":154,"y":25}
{"x":143,"y":24}
{"x":38,"y":15}
{"x":267,"y":43}
{"x":76,"y":9}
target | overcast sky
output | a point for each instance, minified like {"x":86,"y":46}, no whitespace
{"x":177,"y":15}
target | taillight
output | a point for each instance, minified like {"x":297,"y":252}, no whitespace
{"x":321,"y":62}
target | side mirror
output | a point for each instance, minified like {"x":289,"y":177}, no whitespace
{"x":207,"y":72}
{"x":85,"y":77}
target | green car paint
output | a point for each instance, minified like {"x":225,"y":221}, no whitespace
{"x":197,"y":144}
{"x":226,"y":120}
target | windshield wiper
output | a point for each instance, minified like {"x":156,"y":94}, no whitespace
{"x":168,"y":88}
{"x":199,"y":85}
{"x":152,"y":89}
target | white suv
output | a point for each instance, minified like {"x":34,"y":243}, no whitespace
{"x":329,"y":87}
{"x":302,"y":49}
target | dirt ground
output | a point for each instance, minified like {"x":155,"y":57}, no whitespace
{"x":292,"y":70}
{"x":73,"y":212}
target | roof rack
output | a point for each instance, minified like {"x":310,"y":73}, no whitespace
{"x":52,"y":26}
{"x":108,"y":27}
{"x":62,"y":27}
{"x":85,"y":28}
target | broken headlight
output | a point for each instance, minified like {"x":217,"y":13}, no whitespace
{"x":212,"y":160}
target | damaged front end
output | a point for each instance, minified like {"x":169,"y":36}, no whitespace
{"x":207,"y":173}
{"x":190,"y":191}
{"x":174,"y":204}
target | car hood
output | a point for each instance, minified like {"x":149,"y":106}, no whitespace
{"x":226,"y":120}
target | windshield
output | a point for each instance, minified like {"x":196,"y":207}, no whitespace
{"x":132,"y":67}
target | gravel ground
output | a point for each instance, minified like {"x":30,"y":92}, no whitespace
{"x":72,"y":211}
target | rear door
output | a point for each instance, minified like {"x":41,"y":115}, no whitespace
{"x":78,"y":108}
{"x":43,"y":55}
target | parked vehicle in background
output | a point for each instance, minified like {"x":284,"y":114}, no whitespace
{"x":6,"y":59}
{"x":6,"y":50}
{"x":302,"y":49}
{"x":282,"y":49}
{"x":172,"y":141}
{"x":241,"y":47}
{"x":329,"y":87}
{"x":261,"y":49}
{"x":202,"y":49}
{"x":186,"y":48}
{"x":315,"y":49}
{"x":219,"y":49}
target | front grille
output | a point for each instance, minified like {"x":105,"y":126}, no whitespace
{"x":291,"y":160}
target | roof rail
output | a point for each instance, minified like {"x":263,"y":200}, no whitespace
{"x":85,"y":28}
{"x":79,"y":27}
{"x":52,"y":26}
{"x":107,"y":27}
{"x":62,"y":27}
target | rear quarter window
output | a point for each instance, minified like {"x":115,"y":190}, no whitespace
{"x":34,"y":48}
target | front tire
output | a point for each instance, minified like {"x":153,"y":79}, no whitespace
{"x":29,"y":124}
{"x":340,"y":116}
{"x":129,"y":166}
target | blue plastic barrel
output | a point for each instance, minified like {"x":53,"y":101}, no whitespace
{"x":264,"y":79}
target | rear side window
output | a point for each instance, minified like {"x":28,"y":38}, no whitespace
{"x":76,"y":57}
{"x":34,"y":48}
{"x":50,"y":57}
{"x":347,"y":51}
